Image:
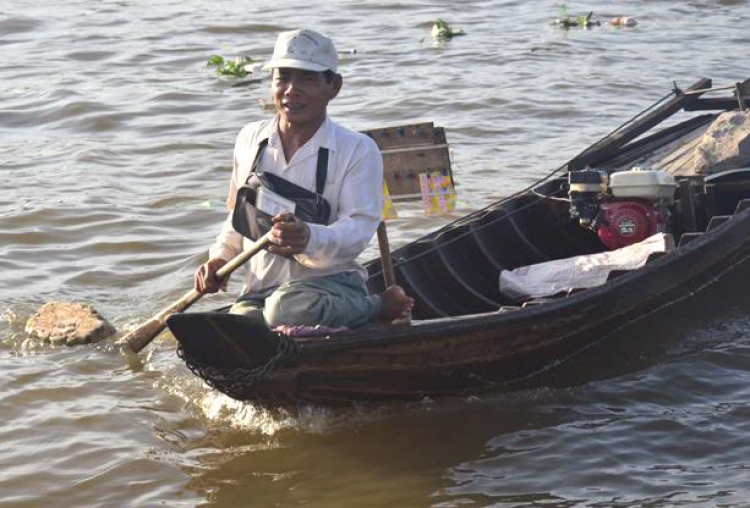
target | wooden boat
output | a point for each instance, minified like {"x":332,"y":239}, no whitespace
{"x":466,"y":335}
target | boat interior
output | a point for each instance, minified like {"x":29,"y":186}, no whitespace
{"x":454,"y":271}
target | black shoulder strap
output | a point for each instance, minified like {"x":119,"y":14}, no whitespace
{"x":258,"y":153}
{"x":321,"y":172}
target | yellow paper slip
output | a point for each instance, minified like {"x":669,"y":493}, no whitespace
{"x":389,"y":211}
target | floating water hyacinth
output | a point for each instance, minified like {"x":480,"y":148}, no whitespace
{"x":239,"y":68}
{"x":442,"y":30}
{"x":573,"y":22}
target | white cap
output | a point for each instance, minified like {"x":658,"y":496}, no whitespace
{"x":304,"y":49}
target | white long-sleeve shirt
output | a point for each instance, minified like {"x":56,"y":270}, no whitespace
{"x":354,"y":187}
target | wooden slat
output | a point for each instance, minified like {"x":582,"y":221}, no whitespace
{"x":412,"y":148}
{"x":715,"y":104}
{"x":601,"y":151}
{"x":659,"y":150}
{"x":407,"y":135}
{"x":681,"y":161}
{"x":739,"y":101}
{"x":401,"y":170}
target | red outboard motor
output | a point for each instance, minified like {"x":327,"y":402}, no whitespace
{"x":623,"y":208}
{"x":622,"y":223}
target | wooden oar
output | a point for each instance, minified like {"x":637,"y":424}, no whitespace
{"x":387,"y":263}
{"x":385,"y":256}
{"x":144,"y":334}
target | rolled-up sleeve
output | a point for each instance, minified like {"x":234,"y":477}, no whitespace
{"x":359,"y":212}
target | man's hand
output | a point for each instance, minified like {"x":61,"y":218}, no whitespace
{"x":289,"y":235}
{"x":205,"y":277}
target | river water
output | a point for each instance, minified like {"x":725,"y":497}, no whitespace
{"x":115,"y":154}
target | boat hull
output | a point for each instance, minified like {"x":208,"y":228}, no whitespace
{"x":490,"y":351}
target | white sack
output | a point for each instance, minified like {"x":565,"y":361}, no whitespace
{"x":562,"y":275}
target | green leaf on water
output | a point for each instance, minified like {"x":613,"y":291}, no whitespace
{"x":442,"y":30}
{"x":580,"y":21}
{"x":235,"y":69}
{"x":215,"y":60}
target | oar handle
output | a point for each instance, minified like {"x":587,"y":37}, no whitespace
{"x":387,"y":263}
{"x":385,"y":255}
{"x":144,"y":334}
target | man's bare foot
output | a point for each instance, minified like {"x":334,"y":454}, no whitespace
{"x":395,"y":304}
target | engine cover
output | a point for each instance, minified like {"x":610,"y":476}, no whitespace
{"x":623,"y":223}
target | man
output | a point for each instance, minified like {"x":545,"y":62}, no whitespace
{"x":309,"y":274}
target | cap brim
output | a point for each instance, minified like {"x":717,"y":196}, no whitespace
{"x":290,"y":63}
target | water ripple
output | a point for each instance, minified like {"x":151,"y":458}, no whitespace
{"x":116,"y":154}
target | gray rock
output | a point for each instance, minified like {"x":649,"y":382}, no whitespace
{"x":725,"y":145}
{"x":68,"y":323}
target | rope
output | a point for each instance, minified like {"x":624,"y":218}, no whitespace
{"x":706,"y":90}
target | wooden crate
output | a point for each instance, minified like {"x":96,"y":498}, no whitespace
{"x":409,"y":150}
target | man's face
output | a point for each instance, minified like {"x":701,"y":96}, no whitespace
{"x":301,"y":97}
